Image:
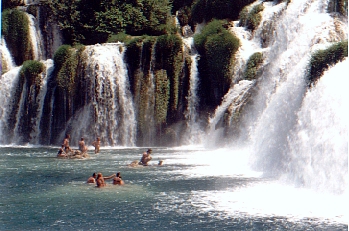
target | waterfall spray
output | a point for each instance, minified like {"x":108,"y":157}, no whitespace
{"x":113,"y":105}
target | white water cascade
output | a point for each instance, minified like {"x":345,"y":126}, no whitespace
{"x":303,"y":27}
{"x":35,"y":37}
{"x":318,"y":145}
{"x":7,"y":82}
{"x":112,"y":102}
{"x":35,"y":134}
{"x":194,"y":132}
{"x":7,"y":61}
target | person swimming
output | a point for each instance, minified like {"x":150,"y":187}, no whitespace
{"x":117,"y":179}
{"x":146,"y":157}
{"x":61,"y":152}
{"x":92,"y":179}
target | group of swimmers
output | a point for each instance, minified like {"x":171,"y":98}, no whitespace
{"x":65,"y":150}
{"x":99,"y":179}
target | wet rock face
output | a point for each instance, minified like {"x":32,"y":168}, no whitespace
{"x":187,"y":31}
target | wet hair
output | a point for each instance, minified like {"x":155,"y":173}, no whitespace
{"x":82,"y":138}
{"x":118,"y":174}
{"x":94,"y":175}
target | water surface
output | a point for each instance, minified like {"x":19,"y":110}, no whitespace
{"x":193,"y":190}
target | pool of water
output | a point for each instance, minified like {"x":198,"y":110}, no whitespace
{"x":195,"y":189}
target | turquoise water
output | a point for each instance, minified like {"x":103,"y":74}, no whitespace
{"x":41,"y":192}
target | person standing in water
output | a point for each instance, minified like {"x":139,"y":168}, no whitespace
{"x":82,"y":146}
{"x":100,"y":181}
{"x":97,"y":144}
{"x":66,"y":143}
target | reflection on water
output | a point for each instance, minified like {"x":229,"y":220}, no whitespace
{"x":194,"y":189}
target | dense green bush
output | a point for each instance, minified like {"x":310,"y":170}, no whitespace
{"x":168,"y":56}
{"x":321,"y":60}
{"x":61,"y":55}
{"x":252,"y":66}
{"x":15,"y":28}
{"x":31,"y":71}
{"x":251,"y":19}
{"x":90,"y":22}
{"x":217,"y":48}
{"x":66,"y":60}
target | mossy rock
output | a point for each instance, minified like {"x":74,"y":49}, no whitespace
{"x":321,"y":60}
{"x":251,"y":18}
{"x":31,"y":71}
{"x":253,"y":65}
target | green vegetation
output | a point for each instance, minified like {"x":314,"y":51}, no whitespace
{"x":93,"y":22}
{"x":15,"y":28}
{"x":217,"y":48}
{"x":31,"y":71}
{"x":162,"y":96}
{"x":66,"y":60}
{"x":321,"y":60}
{"x":168,"y":56}
{"x":251,"y":19}
{"x":252,"y":66}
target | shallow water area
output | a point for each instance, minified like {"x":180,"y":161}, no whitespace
{"x":195,"y":189}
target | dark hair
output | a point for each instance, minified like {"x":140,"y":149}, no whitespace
{"x":118,"y":174}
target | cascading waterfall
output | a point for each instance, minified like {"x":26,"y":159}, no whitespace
{"x":112,"y":102}
{"x":35,"y":37}
{"x":318,"y":145}
{"x":235,"y":98}
{"x":194,"y":132}
{"x":7,"y":61}
{"x":7,"y":83}
{"x":35,"y":134}
{"x":303,"y":27}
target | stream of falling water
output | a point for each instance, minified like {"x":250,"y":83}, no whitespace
{"x":113,"y":102}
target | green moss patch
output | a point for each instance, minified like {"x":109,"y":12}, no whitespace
{"x":321,"y":60}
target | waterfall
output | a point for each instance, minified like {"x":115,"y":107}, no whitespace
{"x":114,"y":121}
{"x":35,"y":134}
{"x":35,"y":37}
{"x":7,"y":82}
{"x":7,"y":61}
{"x":303,"y":27}
{"x":235,"y":98}
{"x":194,"y":132}
{"x":318,"y":145}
